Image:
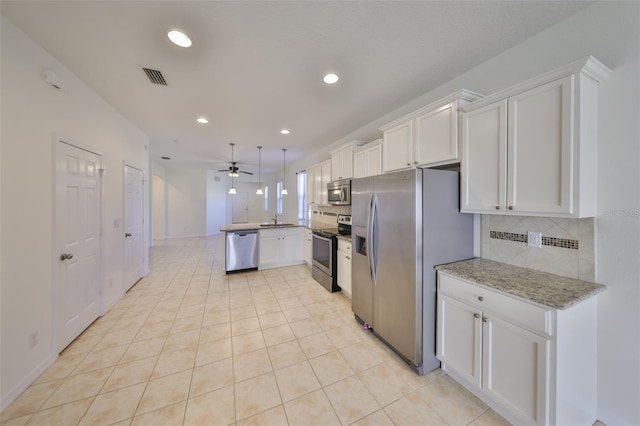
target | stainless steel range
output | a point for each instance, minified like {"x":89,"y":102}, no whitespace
{"x":325,"y":252}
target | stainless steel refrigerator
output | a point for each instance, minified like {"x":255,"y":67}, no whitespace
{"x":403,"y":224}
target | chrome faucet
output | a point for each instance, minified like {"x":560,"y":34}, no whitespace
{"x":275,"y":219}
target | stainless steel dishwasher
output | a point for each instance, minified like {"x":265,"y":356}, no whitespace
{"x":241,"y":251}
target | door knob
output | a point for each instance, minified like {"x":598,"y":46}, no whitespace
{"x":66,"y":256}
{"x":126,"y":235}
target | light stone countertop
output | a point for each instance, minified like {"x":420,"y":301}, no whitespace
{"x":254,"y":226}
{"x":547,"y":289}
{"x":345,"y":237}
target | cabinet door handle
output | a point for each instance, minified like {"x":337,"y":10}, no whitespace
{"x":415,"y":162}
{"x":408,"y":164}
{"x":476,"y":315}
{"x":484,"y":319}
{"x":497,"y":207}
{"x":510,"y":207}
{"x":480,"y":298}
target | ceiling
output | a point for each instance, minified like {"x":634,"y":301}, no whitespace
{"x":257,"y":67}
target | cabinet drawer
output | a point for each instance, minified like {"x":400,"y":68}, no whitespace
{"x":527,"y":315}
{"x":344,"y":245}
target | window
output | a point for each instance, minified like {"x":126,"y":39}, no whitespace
{"x":266,"y":199}
{"x":279,"y":197}
{"x":302,"y":196}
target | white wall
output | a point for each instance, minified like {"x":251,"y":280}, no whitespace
{"x":158,"y":170}
{"x":216,"y":202}
{"x":186,"y":202}
{"x":159,"y":207}
{"x":31,"y":112}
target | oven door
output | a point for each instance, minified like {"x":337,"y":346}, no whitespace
{"x":323,"y":254}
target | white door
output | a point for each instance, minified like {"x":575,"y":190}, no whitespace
{"x":516,"y":369}
{"x":325,"y":170}
{"x":459,"y":338}
{"x":133,"y":226}
{"x":540,"y":150}
{"x":483,"y":172}
{"x":437,"y":135}
{"x":398,"y":145}
{"x":239,"y":208}
{"x":78,"y":207}
{"x":360,"y":164}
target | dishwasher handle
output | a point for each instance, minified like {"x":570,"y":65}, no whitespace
{"x":244,"y":233}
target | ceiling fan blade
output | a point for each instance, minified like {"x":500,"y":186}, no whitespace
{"x":246,"y":173}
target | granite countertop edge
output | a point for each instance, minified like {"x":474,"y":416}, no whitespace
{"x":256,"y":227}
{"x":544,"y":288}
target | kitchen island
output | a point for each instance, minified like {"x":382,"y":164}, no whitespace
{"x":251,"y":246}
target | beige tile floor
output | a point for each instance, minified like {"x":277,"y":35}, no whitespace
{"x":190,"y":345}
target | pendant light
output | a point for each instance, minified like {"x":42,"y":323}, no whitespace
{"x":232,"y":190}
{"x":259,"y":191}
{"x":284,"y":174}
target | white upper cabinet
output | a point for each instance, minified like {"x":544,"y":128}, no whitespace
{"x":317,"y":185}
{"x":318,"y":176}
{"x":426,"y":137}
{"x":342,"y":161}
{"x":310,"y":184}
{"x":532,"y":149}
{"x":367,"y":159}
{"x":437,"y":135}
{"x":398,"y":147}
{"x":325,"y":168}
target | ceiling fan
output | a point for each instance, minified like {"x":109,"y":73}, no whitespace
{"x":233,"y":170}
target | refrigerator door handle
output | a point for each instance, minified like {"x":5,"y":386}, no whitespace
{"x":369,"y":241}
{"x":372,"y":253}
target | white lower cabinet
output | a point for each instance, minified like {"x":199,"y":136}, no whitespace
{"x":532,"y":364}
{"x":281,"y":247}
{"x":308,"y":246}
{"x":344,"y":266}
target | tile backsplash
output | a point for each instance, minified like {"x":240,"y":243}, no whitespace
{"x":567,"y":244}
{"x":327,"y":216}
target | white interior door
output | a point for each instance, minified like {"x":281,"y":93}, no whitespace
{"x":239,"y":208}
{"x":133,"y":226}
{"x":78,"y":206}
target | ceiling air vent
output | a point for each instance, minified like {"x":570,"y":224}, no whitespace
{"x":155,"y":76}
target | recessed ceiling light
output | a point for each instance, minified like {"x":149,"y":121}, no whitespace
{"x":331,"y":78}
{"x":202,"y":120}
{"x":285,"y":131}
{"x":179,"y":38}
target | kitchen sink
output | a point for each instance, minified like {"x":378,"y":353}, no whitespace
{"x":271,"y":225}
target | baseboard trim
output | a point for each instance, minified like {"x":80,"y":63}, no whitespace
{"x":16,"y":391}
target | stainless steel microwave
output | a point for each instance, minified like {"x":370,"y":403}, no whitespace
{"x":339,"y":192}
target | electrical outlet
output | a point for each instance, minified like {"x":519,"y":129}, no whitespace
{"x":534,"y":239}
{"x":33,"y":340}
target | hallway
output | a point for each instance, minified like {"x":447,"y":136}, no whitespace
{"x":190,"y":345}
